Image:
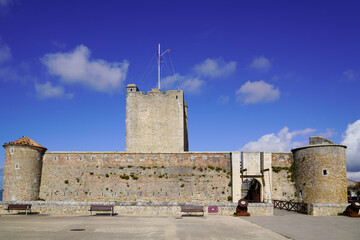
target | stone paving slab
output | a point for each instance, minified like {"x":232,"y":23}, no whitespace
{"x":36,"y":226}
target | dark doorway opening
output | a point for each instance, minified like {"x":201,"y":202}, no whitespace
{"x":253,"y":194}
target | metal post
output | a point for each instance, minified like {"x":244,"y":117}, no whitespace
{"x":159,"y":66}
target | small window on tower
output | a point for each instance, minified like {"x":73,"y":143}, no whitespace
{"x":300,"y":193}
{"x":325,"y":172}
{"x":17,"y":166}
{"x":11,"y":151}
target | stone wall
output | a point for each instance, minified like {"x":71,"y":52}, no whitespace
{"x":136,"y":177}
{"x":283,"y":179}
{"x":22,"y":173}
{"x":318,"y":209}
{"x":155,"y":121}
{"x":321,"y":173}
{"x":138,"y":208}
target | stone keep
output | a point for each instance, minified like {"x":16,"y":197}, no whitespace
{"x":155,"y":121}
{"x":22,"y":170}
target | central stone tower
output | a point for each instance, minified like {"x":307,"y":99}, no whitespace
{"x":155,"y":121}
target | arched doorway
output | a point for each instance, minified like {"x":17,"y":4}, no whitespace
{"x":254,"y":192}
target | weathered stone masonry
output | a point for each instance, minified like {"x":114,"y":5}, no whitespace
{"x":283,"y":177}
{"x":126,"y":177}
{"x":22,"y":170}
{"x":155,"y":121}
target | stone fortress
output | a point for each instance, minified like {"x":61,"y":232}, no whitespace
{"x":157,"y":166}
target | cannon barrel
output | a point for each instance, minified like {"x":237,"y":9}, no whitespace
{"x":241,"y":209}
{"x":243,"y":203}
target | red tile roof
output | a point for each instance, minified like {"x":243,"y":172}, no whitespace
{"x":24,"y":141}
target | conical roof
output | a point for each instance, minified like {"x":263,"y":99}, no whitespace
{"x":24,"y":141}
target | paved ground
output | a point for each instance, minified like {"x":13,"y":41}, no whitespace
{"x":120,"y":227}
{"x":301,"y":226}
{"x":283,"y":225}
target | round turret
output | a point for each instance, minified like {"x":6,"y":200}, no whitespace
{"x":321,"y":172}
{"x":22,"y":171}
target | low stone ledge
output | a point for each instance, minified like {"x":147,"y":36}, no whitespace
{"x":326,"y":209}
{"x":137,"y":208}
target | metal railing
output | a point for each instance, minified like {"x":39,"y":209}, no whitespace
{"x":291,"y":206}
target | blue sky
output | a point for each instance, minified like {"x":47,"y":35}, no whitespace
{"x":257,"y":75}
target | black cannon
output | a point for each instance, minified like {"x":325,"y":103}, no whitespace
{"x":242,"y":208}
{"x":353,"y":209}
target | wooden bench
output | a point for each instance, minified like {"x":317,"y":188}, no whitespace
{"x":102,"y":208}
{"x":19,"y":207}
{"x":191,"y":209}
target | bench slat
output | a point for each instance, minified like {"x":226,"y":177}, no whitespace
{"x":102,"y":208}
{"x":192,"y":209}
{"x":26,"y":207}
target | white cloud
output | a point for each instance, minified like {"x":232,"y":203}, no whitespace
{"x":329,"y":132}
{"x":5,"y":53}
{"x":352,"y":141}
{"x":350,"y":75}
{"x":256,"y":92}
{"x":188,"y":84}
{"x":281,"y":142}
{"x":223,"y":99}
{"x":77,"y":67}
{"x":305,"y":131}
{"x":215,"y":68}
{"x":355,"y":176}
{"x":47,"y":90}
{"x":261,"y":64}
{"x":6,"y":2}
{"x":58,"y":44}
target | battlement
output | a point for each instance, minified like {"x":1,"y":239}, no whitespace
{"x":132,"y":91}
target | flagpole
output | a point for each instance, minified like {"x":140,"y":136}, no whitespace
{"x":159,"y":66}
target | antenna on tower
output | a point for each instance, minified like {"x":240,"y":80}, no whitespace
{"x":159,"y":55}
